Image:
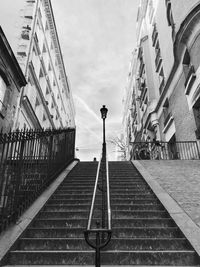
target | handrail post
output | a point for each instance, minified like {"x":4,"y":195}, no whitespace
{"x":103,"y":188}
{"x":97,"y":254}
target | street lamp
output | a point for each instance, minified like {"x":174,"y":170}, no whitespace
{"x":104,"y":111}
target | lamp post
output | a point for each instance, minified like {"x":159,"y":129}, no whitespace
{"x":104,"y":112}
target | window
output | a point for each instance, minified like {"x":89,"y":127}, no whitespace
{"x":49,"y":68}
{"x":186,"y":63}
{"x":3,"y":88}
{"x":41,"y":74}
{"x":47,"y":90}
{"x":154,"y":34}
{"x":46,"y":27}
{"x":196,"y":111}
{"x":169,"y":13}
{"x":44,"y":50}
{"x":151,"y":10}
{"x":189,"y":72}
{"x":161,"y":78}
{"x":170,"y":19}
{"x":37,"y":103}
{"x":166,"y":113}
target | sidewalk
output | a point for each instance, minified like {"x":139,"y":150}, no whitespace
{"x":181,"y":180}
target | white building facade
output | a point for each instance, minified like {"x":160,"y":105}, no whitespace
{"x":46,"y":101}
{"x":165,"y":91}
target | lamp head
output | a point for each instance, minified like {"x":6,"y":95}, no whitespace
{"x":103,"y":111}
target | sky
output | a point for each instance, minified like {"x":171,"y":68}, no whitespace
{"x":97,"y":38}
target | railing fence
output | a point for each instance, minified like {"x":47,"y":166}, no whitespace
{"x":29,"y":160}
{"x":183,"y":150}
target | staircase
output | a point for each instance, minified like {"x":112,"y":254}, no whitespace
{"x":143,"y":232}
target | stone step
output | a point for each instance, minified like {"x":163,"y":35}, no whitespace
{"x":115,"y":244}
{"x":113,"y":196}
{"x":66,"y":265}
{"x":114,"y":183}
{"x":77,"y":223}
{"x":112,"y":187}
{"x":81,"y":207}
{"x":107,"y":257}
{"x":112,"y":191}
{"x":128,"y":201}
{"x":115,"y":214}
{"x":143,"y":233}
{"x":118,"y":232}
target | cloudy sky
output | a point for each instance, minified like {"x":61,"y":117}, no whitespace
{"x":97,"y":38}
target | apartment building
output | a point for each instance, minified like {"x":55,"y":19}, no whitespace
{"x":12,"y":81}
{"x":165,"y":90}
{"x":46,"y":101}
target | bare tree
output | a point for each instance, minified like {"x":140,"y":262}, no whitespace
{"x":120,"y":144}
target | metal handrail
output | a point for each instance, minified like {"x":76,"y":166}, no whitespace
{"x":100,"y":240}
{"x":108,"y":196}
{"x":93,"y":197}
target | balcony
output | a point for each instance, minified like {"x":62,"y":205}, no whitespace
{"x":190,"y":78}
{"x":158,"y":60}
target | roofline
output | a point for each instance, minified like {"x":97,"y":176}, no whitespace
{"x":15,"y":66}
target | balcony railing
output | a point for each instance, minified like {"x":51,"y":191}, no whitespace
{"x":183,"y":150}
{"x":29,"y":161}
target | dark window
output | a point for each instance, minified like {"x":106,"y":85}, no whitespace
{"x":3,"y":88}
{"x":169,"y":13}
{"x":196,"y":111}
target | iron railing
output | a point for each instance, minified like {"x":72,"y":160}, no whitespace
{"x":29,"y":161}
{"x":98,"y":232}
{"x":183,"y":150}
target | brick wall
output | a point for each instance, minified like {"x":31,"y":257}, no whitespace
{"x":183,"y":117}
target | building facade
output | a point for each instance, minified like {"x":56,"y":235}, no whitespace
{"x":12,"y":81}
{"x":46,"y":101}
{"x":165,"y":90}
